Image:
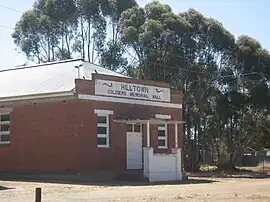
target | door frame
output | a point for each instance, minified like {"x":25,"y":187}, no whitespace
{"x":141,"y":134}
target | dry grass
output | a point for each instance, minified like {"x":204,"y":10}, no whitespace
{"x":208,"y":168}
{"x":262,"y":167}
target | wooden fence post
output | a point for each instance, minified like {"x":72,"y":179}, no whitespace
{"x":38,"y":195}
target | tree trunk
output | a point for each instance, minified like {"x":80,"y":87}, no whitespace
{"x":83,"y":40}
{"x":93,"y":50}
{"x":194,"y":149}
{"x":189,"y":144}
{"x":89,"y":42}
{"x":63,"y":41}
{"x":67,"y":43}
{"x":49,"y":48}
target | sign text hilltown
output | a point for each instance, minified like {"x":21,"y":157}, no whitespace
{"x":135,"y":91}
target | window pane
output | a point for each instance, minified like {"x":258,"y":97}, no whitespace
{"x":102,"y":130}
{"x":161,"y":125}
{"x":4,"y":117}
{"x":5,"y":138}
{"x":161,"y":133}
{"x":129,"y":128}
{"x":102,"y":141}
{"x":101,"y":119}
{"x":137,"y":128}
{"x":161,"y":143}
{"x":4,"y":127}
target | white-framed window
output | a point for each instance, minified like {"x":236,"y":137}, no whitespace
{"x":4,"y":128}
{"x":162,"y":136}
{"x":162,"y":130}
{"x":134,"y":128}
{"x":103,"y":127}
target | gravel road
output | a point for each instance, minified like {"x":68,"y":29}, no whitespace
{"x":239,"y":190}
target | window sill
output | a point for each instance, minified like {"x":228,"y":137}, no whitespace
{"x":103,"y":146}
{"x":4,"y":143}
{"x":161,"y":147}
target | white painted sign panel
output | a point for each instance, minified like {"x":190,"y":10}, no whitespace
{"x":129,"y":90}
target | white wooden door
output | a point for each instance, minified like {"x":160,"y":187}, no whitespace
{"x":134,"y":150}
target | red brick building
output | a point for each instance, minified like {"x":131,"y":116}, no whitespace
{"x":79,"y":117}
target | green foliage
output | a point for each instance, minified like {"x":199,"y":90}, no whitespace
{"x":62,"y":29}
{"x":225,"y":81}
{"x":112,"y":58}
{"x":112,"y":54}
{"x":27,"y":35}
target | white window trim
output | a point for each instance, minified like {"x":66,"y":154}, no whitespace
{"x":163,"y":116}
{"x":133,"y":128}
{"x":101,"y":112}
{"x":105,"y":113}
{"x":165,"y":128}
{"x":4,"y":132}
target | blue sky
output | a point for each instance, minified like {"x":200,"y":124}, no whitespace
{"x":238,"y":16}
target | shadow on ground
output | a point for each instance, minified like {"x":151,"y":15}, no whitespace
{"x":246,"y":175}
{"x":84,"y":180}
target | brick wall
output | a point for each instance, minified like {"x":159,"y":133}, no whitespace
{"x":62,"y":135}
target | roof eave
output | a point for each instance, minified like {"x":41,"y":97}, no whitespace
{"x":37,"y":96}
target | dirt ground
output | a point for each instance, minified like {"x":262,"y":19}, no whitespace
{"x":196,"y":189}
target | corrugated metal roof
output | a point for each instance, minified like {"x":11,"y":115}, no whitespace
{"x":46,"y":78}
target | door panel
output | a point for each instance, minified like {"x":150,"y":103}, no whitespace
{"x":134,"y":150}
